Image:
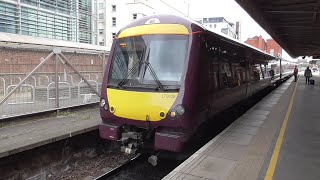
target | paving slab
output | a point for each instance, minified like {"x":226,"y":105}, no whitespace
{"x":213,"y":168}
{"x":299,"y":156}
{"x":239,"y":151}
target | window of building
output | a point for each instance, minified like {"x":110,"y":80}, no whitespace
{"x":101,"y":5}
{"x":134,"y":16}
{"x":215,"y":26}
{"x":101,"y":31}
{"x":114,"y":21}
{"x":272,"y":52}
{"x":101,"y":43}
{"x":114,"y":8}
{"x":113,"y":35}
{"x":210,"y":25}
{"x":101,"y":16}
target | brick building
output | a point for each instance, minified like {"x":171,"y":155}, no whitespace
{"x":258,"y":42}
{"x":274,"y":48}
{"x":270,"y":46}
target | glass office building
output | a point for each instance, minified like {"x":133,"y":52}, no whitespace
{"x":71,"y":20}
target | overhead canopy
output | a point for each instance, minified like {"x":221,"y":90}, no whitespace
{"x":30,"y":42}
{"x":294,"y":24}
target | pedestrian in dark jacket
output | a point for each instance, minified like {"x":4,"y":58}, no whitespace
{"x":295,"y":73}
{"x":308,"y":75}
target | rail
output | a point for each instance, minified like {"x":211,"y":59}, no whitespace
{"x":119,"y":168}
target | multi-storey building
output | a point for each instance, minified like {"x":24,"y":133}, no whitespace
{"x":115,"y":14}
{"x":71,"y":20}
{"x":220,"y":24}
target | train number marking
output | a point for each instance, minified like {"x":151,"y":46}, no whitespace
{"x":168,"y":96}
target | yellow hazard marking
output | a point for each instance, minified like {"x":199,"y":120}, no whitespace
{"x":276,"y":151}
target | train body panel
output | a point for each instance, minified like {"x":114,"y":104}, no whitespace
{"x":166,"y":75}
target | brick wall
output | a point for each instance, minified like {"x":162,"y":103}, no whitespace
{"x":272,"y":44}
{"x":22,"y":61}
{"x":257,"y":42}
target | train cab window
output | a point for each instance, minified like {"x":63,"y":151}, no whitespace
{"x":141,"y":61}
{"x":167,"y":58}
{"x":127,"y":54}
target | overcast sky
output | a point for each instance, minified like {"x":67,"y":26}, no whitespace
{"x":228,"y":9}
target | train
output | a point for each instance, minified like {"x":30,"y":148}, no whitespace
{"x":166,"y":75}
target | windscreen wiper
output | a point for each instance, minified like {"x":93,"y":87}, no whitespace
{"x":136,"y":66}
{"x":153,"y":73}
{"x":133,"y":69}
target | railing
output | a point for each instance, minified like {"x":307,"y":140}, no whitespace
{"x":59,"y":80}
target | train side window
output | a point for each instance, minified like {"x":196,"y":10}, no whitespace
{"x":215,"y":74}
{"x":225,"y":77}
{"x":262,"y":75}
{"x":256,"y":72}
{"x":265,"y":69}
{"x":238,"y":74}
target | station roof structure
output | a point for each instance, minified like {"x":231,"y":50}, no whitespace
{"x":29,"y":42}
{"x":295,"y":25}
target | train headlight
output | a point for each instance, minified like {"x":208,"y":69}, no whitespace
{"x":180,"y":110}
{"x":105,"y":107}
{"x":177,"y":111}
{"x":173,"y":113}
{"x":102,"y":102}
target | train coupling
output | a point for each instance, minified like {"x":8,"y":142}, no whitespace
{"x":153,"y":159}
{"x":130,"y":142}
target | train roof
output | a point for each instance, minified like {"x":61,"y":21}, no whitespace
{"x":235,"y":41}
{"x":194,"y":26}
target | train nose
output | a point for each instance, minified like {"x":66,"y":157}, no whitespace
{"x":138,"y":105}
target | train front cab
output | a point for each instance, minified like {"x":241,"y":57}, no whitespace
{"x":144,"y":87}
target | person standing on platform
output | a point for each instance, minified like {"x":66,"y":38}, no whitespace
{"x":272,"y":73}
{"x":295,"y":73}
{"x":308,"y":75}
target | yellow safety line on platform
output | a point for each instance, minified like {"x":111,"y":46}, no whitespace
{"x":275,"y":155}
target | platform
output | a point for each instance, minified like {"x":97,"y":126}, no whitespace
{"x":36,"y":132}
{"x":244,"y":149}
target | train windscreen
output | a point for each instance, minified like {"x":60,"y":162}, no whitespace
{"x":144,"y":60}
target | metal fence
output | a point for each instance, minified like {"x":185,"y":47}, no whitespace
{"x":37,"y":81}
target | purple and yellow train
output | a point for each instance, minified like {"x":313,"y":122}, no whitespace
{"x":166,"y":75}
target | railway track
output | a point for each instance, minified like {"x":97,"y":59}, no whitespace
{"x":110,"y":174}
